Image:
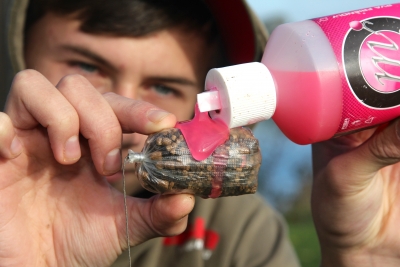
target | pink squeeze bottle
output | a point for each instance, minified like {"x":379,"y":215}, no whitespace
{"x":317,"y":79}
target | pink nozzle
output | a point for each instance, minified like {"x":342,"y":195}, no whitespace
{"x":356,"y":25}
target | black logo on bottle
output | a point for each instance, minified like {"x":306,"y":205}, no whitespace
{"x":371,"y":57}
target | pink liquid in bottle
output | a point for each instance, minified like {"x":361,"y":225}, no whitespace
{"x":337,"y":74}
{"x":308,"y":105}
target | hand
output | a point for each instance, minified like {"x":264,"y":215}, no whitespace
{"x":356,"y":200}
{"x":56,"y":207}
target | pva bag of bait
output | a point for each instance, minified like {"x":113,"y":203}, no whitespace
{"x":166,"y":165}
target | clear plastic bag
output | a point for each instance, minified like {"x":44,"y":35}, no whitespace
{"x":166,"y":165}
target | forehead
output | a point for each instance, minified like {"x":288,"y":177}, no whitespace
{"x":170,"y":51}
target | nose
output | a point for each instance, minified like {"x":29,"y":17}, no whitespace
{"x":126,"y":89}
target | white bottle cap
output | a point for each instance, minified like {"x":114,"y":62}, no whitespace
{"x":246,"y":94}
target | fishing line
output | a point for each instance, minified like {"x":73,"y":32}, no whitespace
{"x":126,"y":211}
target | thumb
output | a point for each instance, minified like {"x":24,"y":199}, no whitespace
{"x":161,"y":215}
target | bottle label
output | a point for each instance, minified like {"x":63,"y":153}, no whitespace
{"x":366,"y":43}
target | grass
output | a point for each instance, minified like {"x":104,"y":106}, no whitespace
{"x":305,"y":241}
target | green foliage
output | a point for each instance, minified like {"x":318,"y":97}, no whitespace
{"x":301,"y":228}
{"x":305,"y":242}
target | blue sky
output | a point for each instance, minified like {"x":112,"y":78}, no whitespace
{"x":295,"y":10}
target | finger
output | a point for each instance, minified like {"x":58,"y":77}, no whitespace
{"x":355,"y":169}
{"x":33,"y":100}
{"x":10,"y":146}
{"x":98,"y":122}
{"x":139,"y":116}
{"x":323,"y":152}
{"x":382,"y":149}
{"x":161,"y":215}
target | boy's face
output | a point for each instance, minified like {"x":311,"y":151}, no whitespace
{"x":166,"y":68}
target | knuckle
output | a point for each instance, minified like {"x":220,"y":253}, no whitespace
{"x":64,"y":122}
{"x":109,"y":132}
{"x":333,"y":169}
{"x":337,"y":178}
{"x":27,"y":77}
{"x":72,"y":81}
{"x":66,"y":117}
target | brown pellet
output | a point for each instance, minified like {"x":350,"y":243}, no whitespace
{"x":166,"y":141}
{"x":156,"y":155}
{"x":171,"y":169}
{"x":159,"y":141}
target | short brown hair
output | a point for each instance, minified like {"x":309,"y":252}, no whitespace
{"x":132,"y":18}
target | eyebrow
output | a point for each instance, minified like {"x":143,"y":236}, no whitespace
{"x":89,"y":54}
{"x":176,"y":80}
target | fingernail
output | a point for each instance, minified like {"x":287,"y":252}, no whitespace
{"x":112,"y":163}
{"x":16,"y":146}
{"x":156,"y":115}
{"x":72,"y":150}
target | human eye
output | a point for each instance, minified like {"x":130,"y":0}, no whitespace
{"x":164,"y":90}
{"x":85,"y":67}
